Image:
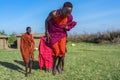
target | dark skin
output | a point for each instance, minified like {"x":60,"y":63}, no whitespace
{"x":65,"y":12}
{"x":28,"y":31}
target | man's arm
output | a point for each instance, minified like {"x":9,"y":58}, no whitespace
{"x":52,"y":15}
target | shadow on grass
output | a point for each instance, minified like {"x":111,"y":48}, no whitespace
{"x":35,"y":64}
{"x":11,"y":66}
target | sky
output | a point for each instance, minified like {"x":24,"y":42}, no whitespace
{"x":92,"y":16}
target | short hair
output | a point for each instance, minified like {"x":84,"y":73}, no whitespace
{"x":28,"y":28}
{"x":68,"y":4}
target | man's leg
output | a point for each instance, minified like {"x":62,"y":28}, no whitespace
{"x":62,"y":46}
{"x":62,"y":64}
{"x":59,"y":65}
{"x":54,"y":65}
{"x":55,"y":54}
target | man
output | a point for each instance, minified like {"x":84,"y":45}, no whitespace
{"x":56,"y":26}
{"x":27,"y":45}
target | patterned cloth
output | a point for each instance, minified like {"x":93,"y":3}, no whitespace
{"x":45,"y":55}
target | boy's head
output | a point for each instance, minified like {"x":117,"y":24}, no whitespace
{"x":67,"y":8}
{"x":28,"y":30}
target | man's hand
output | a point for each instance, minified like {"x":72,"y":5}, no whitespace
{"x":66,"y":28}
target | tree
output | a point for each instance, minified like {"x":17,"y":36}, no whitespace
{"x":12,"y":40}
{"x":2,"y":32}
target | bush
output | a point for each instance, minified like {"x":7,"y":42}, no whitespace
{"x":12,"y":40}
{"x":103,"y":37}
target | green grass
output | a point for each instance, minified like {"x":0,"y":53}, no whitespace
{"x":85,"y":61}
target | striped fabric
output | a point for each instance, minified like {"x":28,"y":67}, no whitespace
{"x":45,"y":55}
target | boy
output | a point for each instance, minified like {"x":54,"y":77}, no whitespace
{"x":27,"y":45}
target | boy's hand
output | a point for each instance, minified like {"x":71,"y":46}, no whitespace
{"x":47,"y":37}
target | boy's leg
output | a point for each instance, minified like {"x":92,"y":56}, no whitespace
{"x":31,"y":63}
{"x":26,"y":69}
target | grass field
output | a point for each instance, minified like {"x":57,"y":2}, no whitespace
{"x":85,"y":61}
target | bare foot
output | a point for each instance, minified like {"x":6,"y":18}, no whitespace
{"x":54,"y":71}
{"x":59,"y":70}
{"x":26,"y":75}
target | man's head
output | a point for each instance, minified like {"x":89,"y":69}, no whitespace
{"x":28,"y":30}
{"x":67,"y":8}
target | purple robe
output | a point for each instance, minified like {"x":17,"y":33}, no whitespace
{"x":57,"y":32}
